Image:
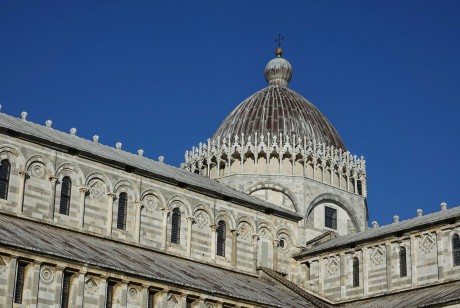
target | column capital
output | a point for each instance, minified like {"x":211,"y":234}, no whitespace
{"x":23,"y":173}
{"x":234,"y":231}
{"x":138,"y":203}
{"x":52,"y":178}
{"x":111,"y":194}
{"x":165,"y":210}
{"x":255,"y":237}
{"x":213,"y":227}
{"x":190,"y":219}
{"x":84,"y":189}
{"x":275,"y":242}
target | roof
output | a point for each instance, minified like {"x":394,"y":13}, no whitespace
{"x":277,"y":110}
{"x":80,"y":248}
{"x":133,"y":163}
{"x":429,"y":296}
{"x":416,"y":223}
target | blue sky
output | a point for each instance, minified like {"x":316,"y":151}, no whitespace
{"x":162,"y":76}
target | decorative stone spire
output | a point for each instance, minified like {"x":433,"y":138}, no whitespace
{"x":278,"y":71}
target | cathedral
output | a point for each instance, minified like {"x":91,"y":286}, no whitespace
{"x":270,"y":211}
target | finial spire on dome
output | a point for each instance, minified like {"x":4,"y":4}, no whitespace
{"x":279,"y":39}
{"x":278,"y":71}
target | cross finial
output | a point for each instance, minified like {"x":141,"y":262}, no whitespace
{"x":279,"y":39}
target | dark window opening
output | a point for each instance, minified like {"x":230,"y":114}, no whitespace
{"x":402,"y":262}
{"x":175,"y":226}
{"x":19,"y":285}
{"x":359,"y":184}
{"x":5,"y":168}
{"x":355,"y":272}
{"x":151,"y":299}
{"x":221,"y":233}
{"x":282,"y":243}
{"x":109,"y":294}
{"x":456,"y":249}
{"x":330,"y":217}
{"x":66,"y":187}
{"x":66,"y":289}
{"x":121,"y":216}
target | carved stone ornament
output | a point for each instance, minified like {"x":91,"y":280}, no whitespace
{"x":47,"y":274}
{"x":96,"y":189}
{"x":209,"y":305}
{"x":332,"y":265}
{"x":173,"y":302}
{"x":133,"y":295}
{"x":150,"y":202}
{"x":201,"y":219}
{"x":377,"y":256}
{"x":264,"y":233}
{"x":244,"y":231}
{"x":91,"y":285}
{"x":427,"y":243}
{"x":37,"y":170}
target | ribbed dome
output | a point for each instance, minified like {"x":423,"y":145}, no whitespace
{"x":277,"y":109}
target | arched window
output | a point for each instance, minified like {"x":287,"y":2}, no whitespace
{"x":221,"y":238}
{"x":359,"y":184}
{"x":66,"y":187}
{"x":121,"y":216}
{"x":402,"y":262}
{"x":355,"y":272}
{"x":456,"y":249}
{"x":175,"y":226}
{"x":5,"y":168}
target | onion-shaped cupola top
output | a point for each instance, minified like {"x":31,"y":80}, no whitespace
{"x":277,"y":110}
{"x":278,"y":71}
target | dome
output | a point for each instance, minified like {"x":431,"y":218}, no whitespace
{"x":277,"y":109}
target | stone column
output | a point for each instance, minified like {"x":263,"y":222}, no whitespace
{"x":320,"y":275}
{"x":190,"y":221}
{"x":165,"y":212}
{"x":123,"y":302}
{"x":53,"y":181}
{"x":102,"y":291}
{"x":22,"y":185}
{"x":388,"y":265}
{"x":356,"y":183}
{"x":81,"y":212}
{"x":10,"y":282}
{"x":144,"y":301}
{"x":213,"y":241}
{"x":31,"y":283}
{"x":365,"y":271}
{"x":80,"y":294}
{"x":275,"y":255}
{"x":163,"y":296}
{"x":111,"y":197}
{"x":137,"y":227}
{"x":234,"y":247}
{"x":255,"y":245}
{"x":183,"y":301}
{"x":343,"y":277}
{"x":439,"y":246}
{"x":332,"y":174}
{"x":58,"y":286}
{"x":413,"y":259}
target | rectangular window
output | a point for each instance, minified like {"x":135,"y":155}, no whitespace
{"x":151,"y":299}
{"x":66,"y":289}
{"x":330,"y":217}
{"x":19,"y":285}
{"x":109,"y":294}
